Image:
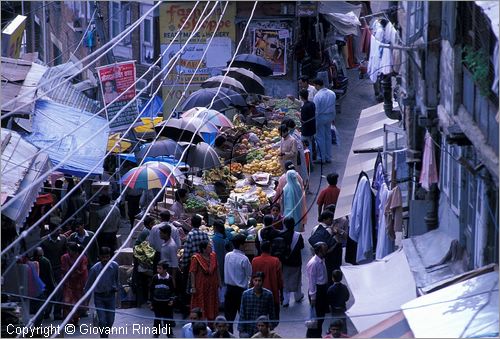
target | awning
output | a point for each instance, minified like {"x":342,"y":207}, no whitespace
{"x":395,"y":326}
{"x":52,"y":121}
{"x":17,"y":174}
{"x":427,"y":257}
{"x":379,"y":289}
{"x":369,"y":135}
{"x":464,"y":310}
{"x":490,"y":9}
{"x":22,"y":77}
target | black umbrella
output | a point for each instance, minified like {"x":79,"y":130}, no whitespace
{"x":201,"y":155}
{"x":227,"y":82}
{"x":159,"y":148}
{"x":237,"y":99}
{"x":255,"y":63}
{"x":187,"y":130}
{"x":251,"y":82}
{"x":203,"y":97}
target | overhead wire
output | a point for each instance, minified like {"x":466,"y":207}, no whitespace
{"x":94,"y":57}
{"x":114,"y":205}
{"x":85,"y":178}
{"x":294,"y":320}
{"x":99,"y":276}
{"x":8,"y":203}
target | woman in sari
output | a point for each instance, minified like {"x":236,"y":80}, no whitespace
{"x":74,"y":285}
{"x":294,"y":201}
{"x":205,"y":281}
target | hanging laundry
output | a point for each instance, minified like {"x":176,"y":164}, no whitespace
{"x":365,"y":38}
{"x":394,"y":212}
{"x":428,"y":174}
{"x":399,"y":157}
{"x":378,"y":180}
{"x":381,"y":59}
{"x":361,"y":223}
{"x":385,"y":245}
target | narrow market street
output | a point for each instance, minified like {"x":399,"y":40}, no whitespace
{"x":249,"y":169}
{"x":292,"y":319}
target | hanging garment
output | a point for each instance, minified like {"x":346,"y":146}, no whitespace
{"x":365,"y":39}
{"x":401,"y":165}
{"x":360,"y":229}
{"x":428,"y":175}
{"x":374,"y":59}
{"x":394,"y":212}
{"x":385,"y":244}
{"x":378,"y":180}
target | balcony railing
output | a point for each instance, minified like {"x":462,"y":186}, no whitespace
{"x":482,"y":109}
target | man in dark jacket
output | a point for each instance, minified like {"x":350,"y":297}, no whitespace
{"x":308,"y":121}
{"x":47,"y":276}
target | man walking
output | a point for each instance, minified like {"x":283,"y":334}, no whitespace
{"x":330,"y":194}
{"x":107,"y":235}
{"x":324,"y":101}
{"x":271,"y":267}
{"x":255,"y":301}
{"x":237,"y":273}
{"x":105,"y":291}
{"x":308,"y":121}
{"x":82,"y":237}
{"x":155,"y":239}
{"x":316,"y":274}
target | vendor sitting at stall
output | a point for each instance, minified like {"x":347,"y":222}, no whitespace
{"x":177,"y":209}
{"x":222,"y":148}
{"x":221,"y":191}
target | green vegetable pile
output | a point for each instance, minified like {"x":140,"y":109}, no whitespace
{"x":194,"y":204}
{"x":256,"y":154}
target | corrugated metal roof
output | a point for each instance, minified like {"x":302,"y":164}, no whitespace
{"x":30,"y":81}
{"x":67,"y":93}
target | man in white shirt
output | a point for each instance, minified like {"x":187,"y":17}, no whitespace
{"x":324,"y":101}
{"x":168,"y":251}
{"x":187,"y":330}
{"x":304,"y":84}
{"x":155,"y":239}
{"x":237,"y":274}
{"x":318,"y":286}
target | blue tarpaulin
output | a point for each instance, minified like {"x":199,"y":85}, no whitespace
{"x":150,"y":108}
{"x":51,"y":123}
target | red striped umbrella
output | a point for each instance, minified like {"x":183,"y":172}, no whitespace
{"x":148,"y":176}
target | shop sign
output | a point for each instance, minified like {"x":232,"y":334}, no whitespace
{"x":194,"y":60}
{"x":174,"y":14}
{"x":12,"y":35}
{"x":115,"y":79}
{"x":271,"y":45}
{"x":307,"y":9}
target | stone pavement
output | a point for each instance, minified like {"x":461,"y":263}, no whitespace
{"x":359,"y":96}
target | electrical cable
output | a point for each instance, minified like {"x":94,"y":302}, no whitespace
{"x":94,"y":284}
{"x":69,"y":193}
{"x":108,"y":215}
{"x":473,"y":295}
{"x":94,"y":56}
{"x":69,"y":155}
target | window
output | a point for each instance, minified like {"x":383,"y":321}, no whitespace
{"x":415,"y":20}
{"x":39,"y":39}
{"x":120,"y":15}
{"x":445,"y":158}
{"x":147,"y":36}
{"x":455,"y":178}
{"x":57,"y":55}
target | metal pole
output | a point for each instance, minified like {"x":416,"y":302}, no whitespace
{"x":44,"y":26}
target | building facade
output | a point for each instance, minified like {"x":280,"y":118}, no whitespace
{"x":449,"y":87}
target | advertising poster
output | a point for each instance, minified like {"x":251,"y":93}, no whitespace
{"x":172,"y":16}
{"x":271,"y":45}
{"x":115,"y":79}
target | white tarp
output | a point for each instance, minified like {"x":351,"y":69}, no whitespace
{"x":379,"y":289}
{"x":464,"y":310}
{"x":17,"y":174}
